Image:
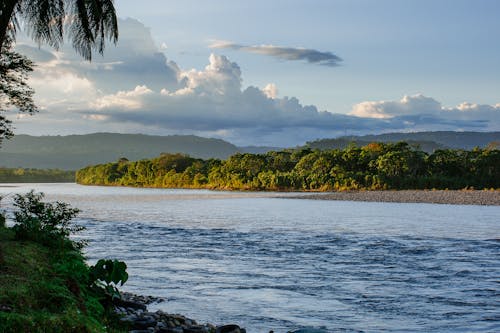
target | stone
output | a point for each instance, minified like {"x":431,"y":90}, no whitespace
{"x":195,"y":329}
{"x":128,"y":304}
{"x":5,"y":308}
{"x":228,"y":329}
{"x":129,"y":318}
{"x":143,"y":323}
{"x":170,"y":330}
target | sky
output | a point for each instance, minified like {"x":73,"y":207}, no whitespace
{"x":279,"y":72}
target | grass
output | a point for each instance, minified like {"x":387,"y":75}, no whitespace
{"x":44,"y":290}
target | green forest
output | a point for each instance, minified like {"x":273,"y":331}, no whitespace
{"x":20,"y":175}
{"x":376,"y":166}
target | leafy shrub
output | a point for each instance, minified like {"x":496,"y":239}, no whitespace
{"x":44,"y":222}
{"x":106,"y":274}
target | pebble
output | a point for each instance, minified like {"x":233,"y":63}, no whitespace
{"x":453,"y":197}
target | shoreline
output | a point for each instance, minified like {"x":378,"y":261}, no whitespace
{"x":448,"y":197}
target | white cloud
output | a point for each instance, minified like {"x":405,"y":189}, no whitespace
{"x":270,"y":90}
{"x":408,"y":105}
{"x":419,"y":110}
{"x":123,"y":99}
{"x":133,"y":88}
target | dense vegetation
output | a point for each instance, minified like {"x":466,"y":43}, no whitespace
{"x":35,"y":175}
{"x":45,"y":283}
{"x":374,"y":166}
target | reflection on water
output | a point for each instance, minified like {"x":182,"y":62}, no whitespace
{"x":275,"y":263}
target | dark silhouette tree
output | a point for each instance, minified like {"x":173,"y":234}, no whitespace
{"x":87,"y":23}
{"x":14,"y":91}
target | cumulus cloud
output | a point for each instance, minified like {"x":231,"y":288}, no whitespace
{"x":284,"y":53}
{"x":135,"y":60}
{"x":213,"y":100}
{"x":122,"y":99}
{"x":422,"y":111}
{"x":134,"y":88}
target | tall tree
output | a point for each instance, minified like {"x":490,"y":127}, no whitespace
{"x":14,"y":90}
{"x":87,"y":23}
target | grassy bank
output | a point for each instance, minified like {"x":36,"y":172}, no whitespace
{"x":45,"y":283}
{"x":36,"y":295}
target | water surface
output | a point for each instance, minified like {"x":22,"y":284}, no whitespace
{"x":270,"y":262}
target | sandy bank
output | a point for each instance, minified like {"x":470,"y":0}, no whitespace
{"x":462,"y":197}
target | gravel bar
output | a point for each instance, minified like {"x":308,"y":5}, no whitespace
{"x":451,"y":197}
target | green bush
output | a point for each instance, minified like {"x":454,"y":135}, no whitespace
{"x":44,"y":222}
{"x":61,"y":292}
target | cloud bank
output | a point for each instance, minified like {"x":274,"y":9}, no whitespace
{"x":283,"y":53}
{"x":136,"y":89}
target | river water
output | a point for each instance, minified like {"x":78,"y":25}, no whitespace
{"x":277,"y":263}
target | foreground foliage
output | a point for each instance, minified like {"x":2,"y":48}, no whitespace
{"x":373,"y":167}
{"x":14,"y":89}
{"x":45,"y":283}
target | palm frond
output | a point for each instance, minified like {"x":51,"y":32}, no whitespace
{"x":43,"y":20}
{"x":93,"y":21}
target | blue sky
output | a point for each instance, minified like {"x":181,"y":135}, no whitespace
{"x":400,"y":66}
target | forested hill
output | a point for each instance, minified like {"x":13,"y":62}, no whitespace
{"x":428,"y":141}
{"x":73,"y":152}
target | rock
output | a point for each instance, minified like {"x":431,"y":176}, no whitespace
{"x":129,"y":318}
{"x":128,"y":304}
{"x":228,"y":329}
{"x":171,"y":330}
{"x":5,"y":308}
{"x":195,"y":329}
{"x":309,"y":330}
{"x":143,"y":323}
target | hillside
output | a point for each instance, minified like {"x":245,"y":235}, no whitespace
{"x":343,"y":143}
{"x":427,"y":141}
{"x":76,"y":151}
{"x":450,"y":139}
{"x":73,"y":152}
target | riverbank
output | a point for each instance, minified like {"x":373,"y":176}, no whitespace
{"x":451,"y":197}
{"x":37,"y":296}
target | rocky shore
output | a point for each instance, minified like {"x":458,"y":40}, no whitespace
{"x":453,"y":197}
{"x":132,"y":310}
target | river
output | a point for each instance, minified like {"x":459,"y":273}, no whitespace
{"x":268,"y":262}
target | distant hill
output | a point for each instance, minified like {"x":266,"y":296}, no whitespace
{"x":73,"y":152}
{"x":427,"y":141}
{"x":344,"y":142}
{"x":258,"y":149}
{"x":457,"y":140}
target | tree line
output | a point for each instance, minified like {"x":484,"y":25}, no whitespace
{"x":376,"y":166}
{"x":20,"y":175}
